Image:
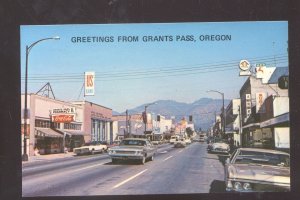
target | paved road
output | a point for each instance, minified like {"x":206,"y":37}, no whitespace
{"x":173,"y":171}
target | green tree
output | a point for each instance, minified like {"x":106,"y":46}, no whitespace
{"x":189,"y":131}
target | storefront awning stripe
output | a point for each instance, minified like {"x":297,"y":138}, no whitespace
{"x":276,"y":120}
{"x":251,"y":125}
{"x":47,"y":132}
{"x":74,"y":132}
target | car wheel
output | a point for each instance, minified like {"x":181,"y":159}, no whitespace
{"x":143,"y":160}
{"x":114,"y":161}
{"x":152,"y":158}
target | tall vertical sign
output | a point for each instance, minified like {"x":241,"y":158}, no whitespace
{"x":260,"y":99}
{"x":89,"y":83}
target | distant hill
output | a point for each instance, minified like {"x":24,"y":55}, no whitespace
{"x":202,"y":110}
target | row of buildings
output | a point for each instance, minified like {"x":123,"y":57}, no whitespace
{"x":53,"y":125}
{"x":260,"y":117}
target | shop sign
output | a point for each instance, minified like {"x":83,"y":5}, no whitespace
{"x":68,"y":110}
{"x":89,"y":83}
{"x":260,"y":71}
{"x":244,"y":66}
{"x":260,"y":99}
{"x":97,"y":115}
{"x":28,"y":129}
{"x":63,"y":118}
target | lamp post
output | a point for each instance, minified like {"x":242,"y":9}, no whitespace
{"x":146,"y":106}
{"x":223,"y":109}
{"x":28,"y":48}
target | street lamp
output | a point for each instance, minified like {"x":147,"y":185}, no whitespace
{"x":28,"y":48}
{"x":146,"y":106}
{"x":223,"y":109}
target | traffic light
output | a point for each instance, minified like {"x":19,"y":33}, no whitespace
{"x":190,"y":118}
{"x":283,"y":82}
{"x":158,"y":118}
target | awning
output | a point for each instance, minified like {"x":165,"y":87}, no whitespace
{"x":230,"y":131}
{"x":276,"y":120}
{"x":73,"y":133}
{"x":251,"y":125}
{"x":47,"y":132}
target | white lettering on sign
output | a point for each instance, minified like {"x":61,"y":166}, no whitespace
{"x":63,"y":118}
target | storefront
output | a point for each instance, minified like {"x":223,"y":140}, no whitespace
{"x":48,"y":124}
{"x":97,"y":122}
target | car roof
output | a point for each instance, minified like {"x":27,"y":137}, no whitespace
{"x":263,"y":150}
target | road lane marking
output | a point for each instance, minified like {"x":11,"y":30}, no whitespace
{"x":163,"y":152}
{"x":118,"y":185}
{"x":180,"y":151}
{"x":168,"y":158}
{"x":87,"y":167}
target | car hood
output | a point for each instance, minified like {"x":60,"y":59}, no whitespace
{"x":83,"y":147}
{"x":220,"y":145}
{"x":264,"y":173}
{"x":127,"y":148}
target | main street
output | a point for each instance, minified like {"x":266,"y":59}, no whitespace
{"x":174,"y":171}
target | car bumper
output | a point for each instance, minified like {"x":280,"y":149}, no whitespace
{"x":81,"y":151}
{"x":257,"y":186}
{"x":218,"y":150}
{"x":126,"y":157}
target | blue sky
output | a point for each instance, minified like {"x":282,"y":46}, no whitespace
{"x":129,"y":74}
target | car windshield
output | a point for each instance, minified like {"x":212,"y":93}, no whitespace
{"x":133,"y":142}
{"x":263,"y":158}
{"x":219,"y":140}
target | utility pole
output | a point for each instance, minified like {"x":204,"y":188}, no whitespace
{"x":126,"y":124}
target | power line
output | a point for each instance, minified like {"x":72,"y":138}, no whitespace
{"x":145,"y":74}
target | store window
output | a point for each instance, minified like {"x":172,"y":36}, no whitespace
{"x":46,"y":124}
{"x":71,"y":126}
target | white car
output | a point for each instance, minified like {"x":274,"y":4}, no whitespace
{"x":180,"y":143}
{"x":218,"y":146}
{"x":188,"y":141}
{"x":173,"y":139}
{"x":90,"y":148}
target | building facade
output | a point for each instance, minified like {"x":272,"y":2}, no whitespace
{"x":54,"y":125}
{"x":258,"y":102}
{"x":233,"y":121}
{"x":51,"y":125}
{"x":97,"y":121}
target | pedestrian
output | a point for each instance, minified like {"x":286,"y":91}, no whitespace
{"x":36,"y":151}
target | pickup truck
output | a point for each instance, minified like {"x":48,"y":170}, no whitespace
{"x":91,"y":148}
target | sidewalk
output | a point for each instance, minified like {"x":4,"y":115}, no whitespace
{"x":48,"y":157}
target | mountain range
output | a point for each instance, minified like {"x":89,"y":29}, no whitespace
{"x":203,"y":111}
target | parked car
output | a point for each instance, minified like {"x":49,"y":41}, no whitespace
{"x":139,"y":149}
{"x":188,"y":141}
{"x":156,"y":142}
{"x":218,"y":145}
{"x":113,"y":144}
{"x":257,"y":170}
{"x":180,"y":143}
{"x":91,"y":148}
{"x":202,"y":137}
{"x":173,"y":138}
